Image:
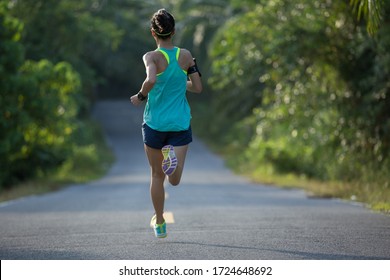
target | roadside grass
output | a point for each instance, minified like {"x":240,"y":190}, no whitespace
{"x":90,"y":159}
{"x":374,"y":195}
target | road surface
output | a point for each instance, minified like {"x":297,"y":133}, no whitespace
{"x":213,"y":214}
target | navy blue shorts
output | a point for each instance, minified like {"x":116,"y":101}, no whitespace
{"x":158,"y":139}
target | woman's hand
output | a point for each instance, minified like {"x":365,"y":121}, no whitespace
{"x":135,"y":100}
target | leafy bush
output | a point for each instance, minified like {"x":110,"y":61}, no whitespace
{"x":39,"y":105}
{"x":307,"y":87}
{"x":39,"y":119}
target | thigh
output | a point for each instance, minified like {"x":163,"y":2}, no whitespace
{"x":181,"y":153}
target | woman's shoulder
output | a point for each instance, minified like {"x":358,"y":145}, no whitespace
{"x":186,"y":55}
{"x":151,"y":53}
{"x":152,"y":56}
{"x":185,"y":52}
{"x":185,"y":58}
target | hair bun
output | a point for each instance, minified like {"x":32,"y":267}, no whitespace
{"x":162,"y":23}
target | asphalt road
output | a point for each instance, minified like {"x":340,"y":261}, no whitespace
{"x":213,"y":214}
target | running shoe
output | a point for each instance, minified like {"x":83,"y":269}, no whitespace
{"x":160,"y":230}
{"x":169,"y":162}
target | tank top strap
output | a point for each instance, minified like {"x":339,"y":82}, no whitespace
{"x":173,"y":54}
{"x":177,"y":54}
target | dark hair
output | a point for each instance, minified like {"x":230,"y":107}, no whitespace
{"x":162,"y":23}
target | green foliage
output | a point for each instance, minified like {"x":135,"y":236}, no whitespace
{"x":89,"y":159}
{"x":11,"y":58}
{"x":39,"y":118}
{"x":306,"y":89}
{"x":53,"y":56}
{"x":100,"y":39}
{"x":68,"y":31}
{"x":371,"y":11}
{"x":277,"y":82}
{"x":39,"y":105}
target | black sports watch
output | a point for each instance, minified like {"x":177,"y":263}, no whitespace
{"x":140,"y":96}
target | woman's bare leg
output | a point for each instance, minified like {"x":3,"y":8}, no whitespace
{"x":157,"y":191}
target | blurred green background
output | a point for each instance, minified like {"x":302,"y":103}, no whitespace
{"x":296,"y":92}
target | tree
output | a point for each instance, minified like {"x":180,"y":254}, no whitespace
{"x":11,"y":58}
{"x":80,"y":32}
{"x":39,"y":107}
{"x":301,"y":74}
{"x":371,"y":11}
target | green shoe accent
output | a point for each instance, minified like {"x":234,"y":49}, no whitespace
{"x":160,"y":230}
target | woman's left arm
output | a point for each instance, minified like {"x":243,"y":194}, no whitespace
{"x":194,"y":84}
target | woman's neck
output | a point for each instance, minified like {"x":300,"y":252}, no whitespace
{"x":166,"y":44}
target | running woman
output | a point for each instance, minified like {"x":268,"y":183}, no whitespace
{"x":166,"y":130}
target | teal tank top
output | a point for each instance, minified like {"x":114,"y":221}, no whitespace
{"x":167,"y":108}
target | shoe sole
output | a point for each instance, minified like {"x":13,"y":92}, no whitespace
{"x":161,"y":236}
{"x":169,"y":162}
